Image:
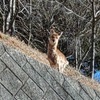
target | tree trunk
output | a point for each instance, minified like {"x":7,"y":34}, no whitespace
{"x":80,"y":51}
{"x":84,"y":57}
{"x":30,"y":25}
{"x":9,"y":15}
{"x":14,"y":11}
{"x":93,"y":39}
{"x":4,"y":18}
{"x":76,"y":53}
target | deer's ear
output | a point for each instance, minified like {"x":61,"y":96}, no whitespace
{"x":60,"y":34}
{"x":52,"y":31}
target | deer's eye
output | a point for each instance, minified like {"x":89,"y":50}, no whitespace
{"x":52,"y":36}
{"x":56,"y":37}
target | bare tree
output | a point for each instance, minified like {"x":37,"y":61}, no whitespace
{"x":93,"y":38}
{"x":9,"y":9}
{"x":30,"y":24}
{"x":4,"y":16}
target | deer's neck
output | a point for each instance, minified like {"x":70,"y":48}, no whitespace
{"x":52,"y":47}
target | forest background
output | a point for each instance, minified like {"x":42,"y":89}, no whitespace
{"x":30,"y":21}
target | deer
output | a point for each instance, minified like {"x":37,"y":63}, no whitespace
{"x":56,"y":58}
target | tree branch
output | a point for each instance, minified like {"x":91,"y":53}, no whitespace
{"x":70,"y":11}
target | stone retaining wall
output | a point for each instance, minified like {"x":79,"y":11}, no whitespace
{"x":23,"y":78}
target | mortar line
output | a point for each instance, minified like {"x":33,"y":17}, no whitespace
{"x":26,"y":94}
{"x":85,"y":91}
{"x":12,"y":71}
{"x":7,"y":89}
{"x":20,"y":87}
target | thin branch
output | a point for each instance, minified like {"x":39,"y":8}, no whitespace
{"x":70,"y":11}
{"x":21,"y":20}
{"x":97,"y":16}
{"x":81,"y":1}
{"x":83,"y":58}
{"x":24,"y":6}
{"x":1,"y":11}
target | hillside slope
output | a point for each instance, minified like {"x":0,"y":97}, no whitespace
{"x":23,"y":78}
{"x":34,"y":54}
{"x":41,"y":57}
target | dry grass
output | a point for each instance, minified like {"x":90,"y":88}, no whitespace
{"x":42,"y":57}
{"x":21,"y":46}
{"x":71,"y":72}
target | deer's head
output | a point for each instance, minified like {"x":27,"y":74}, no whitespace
{"x":54,"y":37}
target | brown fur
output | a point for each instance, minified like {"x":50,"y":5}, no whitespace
{"x":55,"y":56}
